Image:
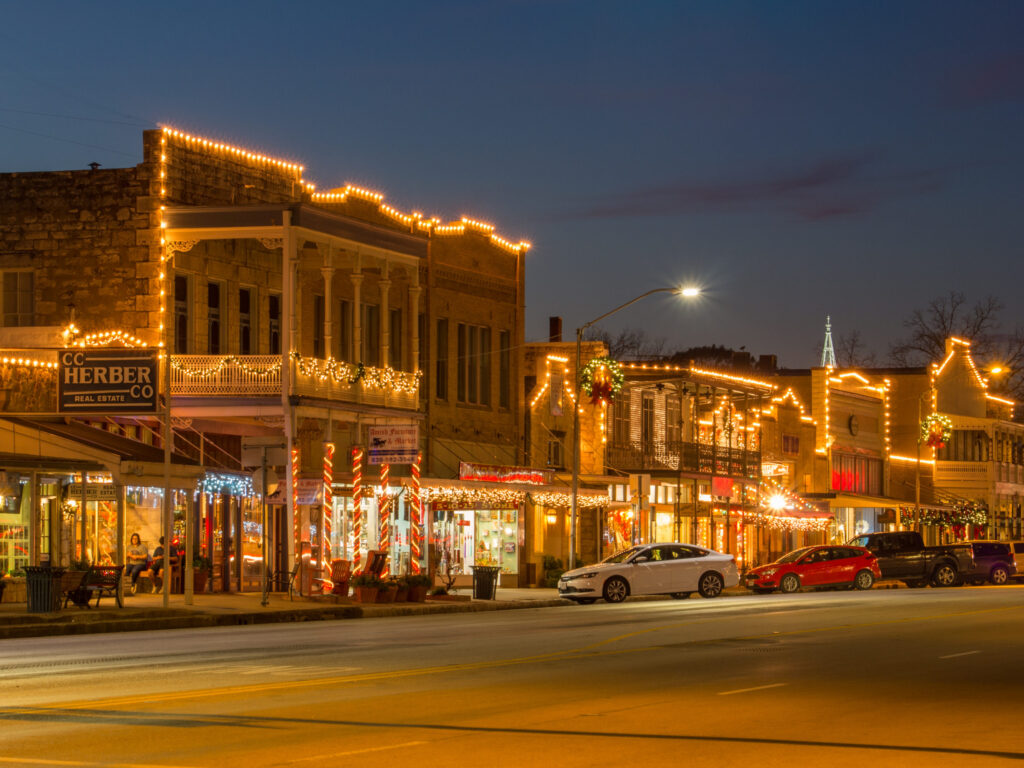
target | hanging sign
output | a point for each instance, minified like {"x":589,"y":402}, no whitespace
{"x":397,"y":444}
{"x":107,"y":381}
{"x":309,"y":490}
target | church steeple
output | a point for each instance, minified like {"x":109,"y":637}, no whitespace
{"x":828,"y":352}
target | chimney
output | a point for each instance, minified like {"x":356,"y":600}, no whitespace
{"x":768,"y":362}
{"x":554,"y":329}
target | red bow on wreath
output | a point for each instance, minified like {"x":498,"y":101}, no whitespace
{"x":601,"y":386}
{"x":936,"y":436}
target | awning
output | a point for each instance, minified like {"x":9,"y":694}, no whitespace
{"x":840,"y":500}
{"x":482,"y":492}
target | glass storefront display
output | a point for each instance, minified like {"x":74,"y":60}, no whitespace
{"x":464,"y":538}
{"x":14,"y":527}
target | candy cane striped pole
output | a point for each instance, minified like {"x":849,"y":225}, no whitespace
{"x":357,"y":505}
{"x":328,"y":509}
{"x":416,"y":518}
{"x":384,"y":512}
{"x":296,"y":517}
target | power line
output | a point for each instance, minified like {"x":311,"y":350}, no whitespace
{"x":67,"y":141}
{"x":138,"y":124}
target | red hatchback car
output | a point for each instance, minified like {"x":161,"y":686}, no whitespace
{"x":842,"y":566}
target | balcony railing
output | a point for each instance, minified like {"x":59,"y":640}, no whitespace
{"x":684,"y":457}
{"x":260,"y":376}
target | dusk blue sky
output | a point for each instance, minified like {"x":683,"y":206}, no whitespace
{"x":796,"y":159}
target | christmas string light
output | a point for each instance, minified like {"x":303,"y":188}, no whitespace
{"x":220,"y":483}
{"x":27,"y":362}
{"x":472,"y":497}
{"x":349,"y":374}
{"x":296,"y":517}
{"x":209,"y":369}
{"x":555,"y":499}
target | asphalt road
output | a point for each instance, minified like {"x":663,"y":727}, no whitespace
{"x":899,"y":677}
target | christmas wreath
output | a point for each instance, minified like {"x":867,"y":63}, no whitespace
{"x":602,"y":378}
{"x":936,"y":430}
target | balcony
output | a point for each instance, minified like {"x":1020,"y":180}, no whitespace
{"x":242,"y":376}
{"x":683,"y":457}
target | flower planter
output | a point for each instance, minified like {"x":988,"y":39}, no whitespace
{"x":417,"y":594}
{"x":365,"y":594}
{"x":402,"y":595}
{"x":199,"y":580}
{"x":386,"y":596}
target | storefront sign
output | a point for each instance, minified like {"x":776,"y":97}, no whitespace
{"x":494,"y":473}
{"x":94,"y":492}
{"x":309,"y":490}
{"x":394,"y":444}
{"x":774,"y":468}
{"x":107,"y":381}
{"x":10,"y":485}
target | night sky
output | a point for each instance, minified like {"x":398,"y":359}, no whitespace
{"x":795,"y":159}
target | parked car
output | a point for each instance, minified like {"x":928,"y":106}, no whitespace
{"x":993,"y":561}
{"x":651,"y":569}
{"x":1018,"y":558}
{"x":902,"y":555}
{"x":816,"y":567}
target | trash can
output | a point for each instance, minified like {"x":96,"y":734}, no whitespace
{"x":485,"y":582}
{"x":42,"y":584}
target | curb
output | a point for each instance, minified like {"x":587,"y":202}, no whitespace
{"x":189,"y":619}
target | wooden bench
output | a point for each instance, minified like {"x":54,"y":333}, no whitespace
{"x":102,"y":580}
{"x":71,"y":588}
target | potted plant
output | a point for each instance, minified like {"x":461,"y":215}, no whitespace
{"x":387,"y":591}
{"x":419,"y":583}
{"x":201,"y":567}
{"x":402,"y":589}
{"x":365,"y":587}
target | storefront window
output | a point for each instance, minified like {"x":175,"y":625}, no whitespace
{"x":14,"y":527}
{"x":464,"y":538}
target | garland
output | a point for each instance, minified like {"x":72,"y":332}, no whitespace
{"x":936,"y":430}
{"x":602,"y":378}
{"x":963,"y":513}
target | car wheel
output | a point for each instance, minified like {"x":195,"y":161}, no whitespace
{"x":710,"y":585}
{"x":864,"y":580}
{"x":790,"y":583}
{"x":999,"y":575}
{"x":681,"y":595}
{"x":615,"y":590}
{"x":586,"y":600}
{"x":944,"y":576}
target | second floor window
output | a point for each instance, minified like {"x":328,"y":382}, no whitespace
{"x":371,"y":335}
{"x":181,"y":315}
{"x":673,"y":420}
{"x":213,"y":317}
{"x":274,"y":323}
{"x":647,"y":419}
{"x":790,"y":444}
{"x":318,"y":327}
{"x":504,"y":369}
{"x":244,"y":321}
{"x":620,"y":419}
{"x":344,"y":343}
{"x":396,"y":350}
{"x":441,"y":362}
{"x":19,"y":299}
{"x":474,"y":382}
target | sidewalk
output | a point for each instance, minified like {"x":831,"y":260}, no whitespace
{"x":146,"y":612}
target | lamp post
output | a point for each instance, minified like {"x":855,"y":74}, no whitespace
{"x":687,"y":292}
{"x":917,"y":472}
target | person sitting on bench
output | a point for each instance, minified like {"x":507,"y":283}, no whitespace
{"x":158,"y":563}
{"x":138,"y":559}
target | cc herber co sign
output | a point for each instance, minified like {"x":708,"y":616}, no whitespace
{"x":107,"y":381}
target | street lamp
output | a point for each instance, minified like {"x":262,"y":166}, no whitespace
{"x":688,"y":292}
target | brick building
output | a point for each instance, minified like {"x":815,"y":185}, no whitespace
{"x":296,"y":322}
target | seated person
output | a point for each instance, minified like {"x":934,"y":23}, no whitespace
{"x":138,"y":558}
{"x":158,"y":563}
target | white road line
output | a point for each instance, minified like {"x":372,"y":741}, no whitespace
{"x":79,"y":764}
{"x":958,"y":655}
{"x":748,"y":690}
{"x":355,"y":752}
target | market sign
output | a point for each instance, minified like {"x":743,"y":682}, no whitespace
{"x":494,"y":473}
{"x":396,"y":444}
{"x":107,"y":381}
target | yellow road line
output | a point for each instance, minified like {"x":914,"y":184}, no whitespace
{"x":355,"y":752}
{"x":80,"y":764}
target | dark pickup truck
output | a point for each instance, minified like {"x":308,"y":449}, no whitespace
{"x":902,"y":555}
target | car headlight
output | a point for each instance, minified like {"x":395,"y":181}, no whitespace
{"x":583,"y":576}
{"x":769,"y":572}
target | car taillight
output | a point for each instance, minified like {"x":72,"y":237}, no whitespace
{"x":870,"y":556}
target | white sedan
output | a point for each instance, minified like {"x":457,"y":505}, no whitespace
{"x":651,"y":569}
